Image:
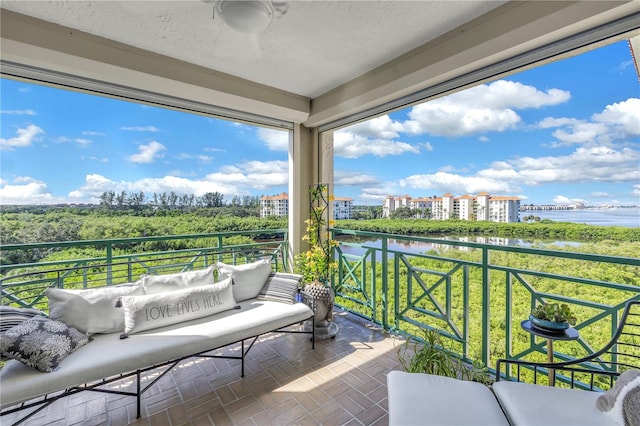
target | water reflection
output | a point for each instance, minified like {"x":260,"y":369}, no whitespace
{"x":420,"y":247}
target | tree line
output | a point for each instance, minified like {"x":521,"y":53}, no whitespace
{"x":138,"y":201}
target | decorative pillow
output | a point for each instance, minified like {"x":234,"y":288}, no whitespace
{"x":168,"y":282}
{"x":92,"y":310}
{"x":157,"y":310}
{"x":248,"y":279}
{"x":280,"y":287}
{"x":622,"y":401}
{"x":41,"y":343}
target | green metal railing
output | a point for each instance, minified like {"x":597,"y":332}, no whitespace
{"x":106,"y":262}
{"x":475,"y":295}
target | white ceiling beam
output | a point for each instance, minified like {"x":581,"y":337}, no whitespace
{"x":512,"y":29}
{"x":36,"y":43}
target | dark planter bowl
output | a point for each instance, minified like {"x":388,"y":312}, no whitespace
{"x":548,"y":325}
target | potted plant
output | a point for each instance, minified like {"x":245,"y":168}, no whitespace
{"x":432,"y":357}
{"x":552,"y":316}
{"x":316,"y":265}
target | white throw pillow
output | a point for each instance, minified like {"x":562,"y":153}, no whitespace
{"x":248,"y":279}
{"x":92,"y":310}
{"x":157,"y":310}
{"x":168,"y":282}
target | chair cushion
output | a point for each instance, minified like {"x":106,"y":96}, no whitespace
{"x":425,"y":399}
{"x":529,"y":404}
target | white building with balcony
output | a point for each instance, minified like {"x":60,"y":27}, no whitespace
{"x":278,"y":206}
{"x":342,"y":208}
{"x":274,"y":205}
{"x":466,"y":207}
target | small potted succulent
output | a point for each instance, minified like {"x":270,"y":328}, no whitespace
{"x":552,"y":316}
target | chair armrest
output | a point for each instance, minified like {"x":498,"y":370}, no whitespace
{"x":574,"y":373}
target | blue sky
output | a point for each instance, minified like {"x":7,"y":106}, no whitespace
{"x":561,"y":133}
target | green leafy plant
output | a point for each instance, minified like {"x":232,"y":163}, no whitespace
{"x":431,"y":357}
{"x":316,"y":265}
{"x":554,"y":312}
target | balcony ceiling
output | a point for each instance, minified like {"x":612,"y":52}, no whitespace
{"x":320,"y":61}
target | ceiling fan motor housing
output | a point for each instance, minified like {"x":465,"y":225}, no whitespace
{"x":246,"y":16}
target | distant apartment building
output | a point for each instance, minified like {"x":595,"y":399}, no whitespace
{"x":482,"y":206}
{"x":274,"y":205}
{"x":342,"y":208}
{"x":278,"y":205}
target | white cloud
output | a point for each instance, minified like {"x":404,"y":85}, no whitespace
{"x":581,"y":132}
{"x":18,"y":112}
{"x":351,"y":145}
{"x":377,"y":128}
{"x":585,"y":164}
{"x":562,"y":200}
{"x":601,"y":194}
{"x":441,"y":182}
{"x":260,"y":175}
{"x":377,"y":194}
{"x":349,"y":178}
{"x":140,"y":128}
{"x":26,"y":190}
{"x":617,"y":121}
{"x":25,"y":137}
{"x":200,"y":157}
{"x":209,"y":149}
{"x":148,"y":153}
{"x":79,"y":141}
{"x":549,"y":122}
{"x":483,"y":108}
{"x":239,"y":179}
{"x":622,"y":117}
{"x":276,"y":140}
{"x":636,"y":190}
{"x":92,"y":133}
{"x":96,"y":184}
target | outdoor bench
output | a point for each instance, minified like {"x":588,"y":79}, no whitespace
{"x":110,"y":357}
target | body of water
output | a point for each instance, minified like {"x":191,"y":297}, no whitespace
{"x":629,"y":217}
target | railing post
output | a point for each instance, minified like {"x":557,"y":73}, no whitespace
{"x":109,"y":248}
{"x":220,"y":258}
{"x":509,"y":314}
{"x":465,"y":307}
{"x":385,"y":284}
{"x":486,"y":299}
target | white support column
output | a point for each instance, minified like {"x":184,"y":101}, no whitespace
{"x":303,"y":166}
{"x":310,"y":162}
{"x":325,"y":166}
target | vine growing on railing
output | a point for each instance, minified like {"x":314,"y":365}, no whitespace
{"x":316,"y":265}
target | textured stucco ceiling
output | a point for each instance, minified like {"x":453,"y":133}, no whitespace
{"x":314,"y":47}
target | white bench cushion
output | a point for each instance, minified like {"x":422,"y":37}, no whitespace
{"x":529,"y":404}
{"x":425,"y":399}
{"x":107,"y":355}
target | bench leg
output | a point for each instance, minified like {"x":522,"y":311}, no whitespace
{"x":139,"y":395}
{"x":242,"y":362}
